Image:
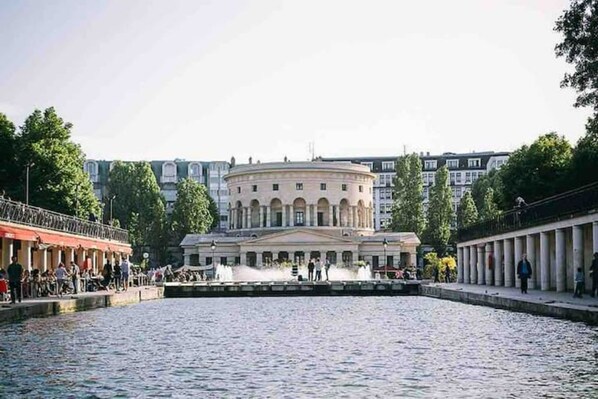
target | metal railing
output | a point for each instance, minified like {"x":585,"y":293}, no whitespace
{"x":581,"y":201}
{"x":17,"y":212}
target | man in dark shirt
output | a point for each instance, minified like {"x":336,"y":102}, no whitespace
{"x":15,"y":273}
{"x":310,"y":270}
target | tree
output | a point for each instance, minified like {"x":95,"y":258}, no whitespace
{"x":440,"y":212}
{"x":489,"y":208}
{"x":213,"y":208}
{"x":138,"y":204}
{"x":467,"y":213}
{"x":191,"y":213}
{"x":8,"y":159}
{"x":537,"y":171}
{"x":584,"y":162}
{"x":57,"y":180}
{"x":407,"y":209}
{"x":579,"y":27}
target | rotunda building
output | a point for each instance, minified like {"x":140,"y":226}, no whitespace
{"x":299,"y":211}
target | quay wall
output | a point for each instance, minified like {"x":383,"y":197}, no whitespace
{"x":51,"y":307}
{"x":552,"y":309}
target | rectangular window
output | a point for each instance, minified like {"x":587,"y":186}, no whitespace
{"x":323,"y":186}
{"x":388,"y":165}
{"x":223,"y":260}
{"x":452,"y":163}
{"x":430,"y":164}
{"x":275,"y":187}
{"x":343,"y":187}
{"x":368,"y":164}
{"x":467,"y":177}
{"x":299,"y":218}
{"x":458,"y":177}
{"x":238,"y":190}
{"x":361,"y":189}
{"x":254,"y":188}
{"x":298,"y":186}
{"x":474,"y":162}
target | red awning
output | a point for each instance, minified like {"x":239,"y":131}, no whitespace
{"x":17,"y":234}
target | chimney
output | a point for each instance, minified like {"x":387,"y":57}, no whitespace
{"x":428,"y":153}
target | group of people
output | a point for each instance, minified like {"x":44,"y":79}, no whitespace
{"x":315,"y":265}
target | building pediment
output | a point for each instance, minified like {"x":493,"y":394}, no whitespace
{"x":299,"y":237}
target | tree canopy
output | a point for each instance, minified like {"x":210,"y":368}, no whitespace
{"x":467,"y":213}
{"x":440,"y":212}
{"x":407,"y":209}
{"x":191,"y":213}
{"x":57,"y":180}
{"x":213,"y":208}
{"x":489,"y":208}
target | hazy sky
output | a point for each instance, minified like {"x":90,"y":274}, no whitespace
{"x":207,"y":80}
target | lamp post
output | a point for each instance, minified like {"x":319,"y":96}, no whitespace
{"x":27,"y":167}
{"x":385,"y":244}
{"x":111,"y":199}
{"x":213,"y":248}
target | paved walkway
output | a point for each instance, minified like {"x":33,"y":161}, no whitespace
{"x":547,"y":297}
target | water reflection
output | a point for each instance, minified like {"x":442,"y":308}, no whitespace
{"x":299,"y":347}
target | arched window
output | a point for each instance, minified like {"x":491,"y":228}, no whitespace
{"x":168,"y":172}
{"x":91,"y":168}
{"x":194,"y":171}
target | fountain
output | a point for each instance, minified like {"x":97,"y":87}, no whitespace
{"x":224,"y":273}
{"x":283,"y":273}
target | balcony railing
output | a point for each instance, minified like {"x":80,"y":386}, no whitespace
{"x":17,"y":212}
{"x":581,"y":201}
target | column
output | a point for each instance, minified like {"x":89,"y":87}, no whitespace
{"x":544,"y":261}
{"x":473,"y":272}
{"x":268,"y":216}
{"x":291,"y":216}
{"x":466,"y":265}
{"x":459,"y":264}
{"x":56,"y":257}
{"x":530,"y":250}
{"x":70,"y":256}
{"x":187,"y":259}
{"x":349,"y":216}
{"x":518,"y":254}
{"x":509,"y":270}
{"x":594,"y":237}
{"x":234,"y":218}
{"x":249,"y":213}
{"x":307,"y":215}
{"x":284,"y":217}
{"x":577,"y":252}
{"x":337,"y":212}
{"x":561,"y":261}
{"x":42,"y":262}
{"x":243,"y":218}
{"x":354,"y":256}
{"x":261,"y":223}
{"x":331,"y":215}
{"x":480,"y":249}
{"x":412,"y":258}
{"x":7,"y":251}
{"x":488,"y":273}
{"x":498,"y":264}
{"x":339,"y":258}
{"x":355,"y":218}
{"x":259,"y":259}
{"x":26,"y":255}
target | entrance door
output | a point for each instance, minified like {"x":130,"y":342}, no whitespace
{"x":375,"y":261}
{"x":320,"y":218}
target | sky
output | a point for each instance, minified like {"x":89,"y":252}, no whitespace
{"x":208,"y":80}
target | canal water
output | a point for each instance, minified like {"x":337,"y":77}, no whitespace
{"x":349,"y":347}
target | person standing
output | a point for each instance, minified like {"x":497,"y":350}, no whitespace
{"x":524,"y":271}
{"x":318,"y":270}
{"x":310,"y":270}
{"x":579,"y":283}
{"x":15,"y":273}
{"x":125,"y":269}
{"x":107,"y":274}
{"x":61,"y":277}
{"x":436,"y":274}
{"x":117,"y":274}
{"x":326,"y":268}
{"x":75,"y":273}
{"x":594,"y":274}
{"x":447,"y":274}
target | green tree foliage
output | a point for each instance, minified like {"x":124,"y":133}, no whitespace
{"x":440,"y":212}
{"x":407,"y":209}
{"x":491,"y":180}
{"x":537,"y":171}
{"x":191,"y":213}
{"x":213,"y":208}
{"x":8,"y":160}
{"x":138,"y":203}
{"x":56,"y":180}
{"x":579,"y":27}
{"x":467,"y":213}
{"x":489,"y":208}
{"x":584,"y":163}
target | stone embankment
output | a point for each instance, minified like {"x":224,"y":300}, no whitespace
{"x":75,"y":303}
{"x":544,"y":303}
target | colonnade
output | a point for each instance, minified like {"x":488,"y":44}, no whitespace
{"x":335,"y":216}
{"x":554,"y":254}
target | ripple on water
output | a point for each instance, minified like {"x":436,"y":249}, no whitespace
{"x":298,"y":347}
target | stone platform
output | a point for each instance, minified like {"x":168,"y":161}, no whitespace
{"x":544,"y":303}
{"x":49,"y":306}
{"x":292,"y":288}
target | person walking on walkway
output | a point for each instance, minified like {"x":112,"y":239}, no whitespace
{"x":318,"y":270}
{"x":125,"y":269}
{"x":579,"y":283}
{"x":594,"y":274}
{"x":61,"y":277}
{"x":524,"y":271}
{"x":326,"y":268}
{"x":15,"y":273}
{"x":310,"y":270}
{"x":75,"y":274}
